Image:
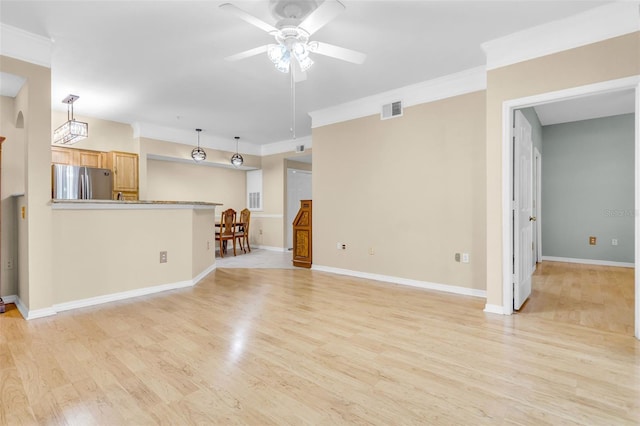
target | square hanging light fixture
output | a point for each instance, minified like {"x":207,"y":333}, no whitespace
{"x":72,"y":131}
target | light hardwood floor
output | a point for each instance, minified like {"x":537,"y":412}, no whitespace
{"x":599,"y":297}
{"x":268,"y":346}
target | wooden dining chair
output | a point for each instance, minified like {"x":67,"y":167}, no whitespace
{"x":227,"y":230}
{"x":245,"y":219}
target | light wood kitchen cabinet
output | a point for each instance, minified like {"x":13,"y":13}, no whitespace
{"x":124,"y":166}
{"x":92,"y":159}
{"x":60,"y":155}
{"x":78,"y":157}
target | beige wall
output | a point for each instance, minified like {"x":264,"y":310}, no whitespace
{"x":291,"y":164}
{"x":202,"y":241}
{"x":13,"y":150}
{"x":268,"y":226}
{"x":168,"y":180}
{"x":411,"y":188}
{"x":608,"y":60}
{"x":104,"y":135}
{"x":182,"y":154}
{"x":34,"y":101}
{"x":13,"y":182}
{"x":23,"y":254}
{"x":101,"y":252}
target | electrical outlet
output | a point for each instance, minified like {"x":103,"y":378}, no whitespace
{"x":592,"y":241}
{"x":465,"y":257}
{"x":372,"y":251}
{"x":338,"y":246}
{"x":614,"y":242}
{"x":208,"y":245}
{"x":163,"y":257}
{"x":10,"y":264}
{"x":457,"y":257}
{"x":260,"y":231}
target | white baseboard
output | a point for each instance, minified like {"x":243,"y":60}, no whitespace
{"x":24,"y":311}
{"x":34,"y":313}
{"x":98,"y":300}
{"x":10,"y":298}
{"x":203,"y":274}
{"x":493,"y":309}
{"x":271,"y":248}
{"x":404,"y":281}
{"x":588,"y":261}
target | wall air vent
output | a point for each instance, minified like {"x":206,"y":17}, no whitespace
{"x":391,"y":110}
{"x":254,"y":189}
{"x":254,"y":201}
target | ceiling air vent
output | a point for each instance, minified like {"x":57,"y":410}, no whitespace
{"x":391,"y":110}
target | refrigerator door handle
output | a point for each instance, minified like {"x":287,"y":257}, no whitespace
{"x":81,"y":184}
{"x":87,"y":176}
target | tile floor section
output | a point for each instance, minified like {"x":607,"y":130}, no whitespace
{"x":257,"y":258}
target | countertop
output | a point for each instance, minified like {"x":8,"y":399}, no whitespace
{"x":130,"y":204}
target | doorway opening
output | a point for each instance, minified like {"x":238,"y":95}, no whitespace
{"x":298,"y":188}
{"x":510,"y":250}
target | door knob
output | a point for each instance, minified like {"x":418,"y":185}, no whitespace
{"x":532,"y":218}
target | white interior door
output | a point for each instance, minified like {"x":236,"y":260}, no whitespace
{"x":523,"y":211}
{"x":298,"y":188}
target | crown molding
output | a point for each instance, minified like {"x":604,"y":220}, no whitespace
{"x":471,"y":80}
{"x":591,"y":26}
{"x":25,"y":46}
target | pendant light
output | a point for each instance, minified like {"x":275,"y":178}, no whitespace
{"x":198,"y":153}
{"x":72,"y":131}
{"x":236,"y":159}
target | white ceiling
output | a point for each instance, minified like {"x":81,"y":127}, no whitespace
{"x":162,"y":62}
{"x":585,"y":108}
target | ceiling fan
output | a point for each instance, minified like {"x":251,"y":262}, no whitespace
{"x":292,"y":33}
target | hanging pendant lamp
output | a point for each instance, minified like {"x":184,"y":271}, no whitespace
{"x":198,"y":153}
{"x":72,"y":131}
{"x":236,"y":159}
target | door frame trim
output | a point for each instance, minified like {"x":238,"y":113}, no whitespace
{"x":537,"y":167}
{"x":507,"y":177}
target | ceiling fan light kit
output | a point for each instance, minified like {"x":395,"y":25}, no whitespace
{"x":298,"y":21}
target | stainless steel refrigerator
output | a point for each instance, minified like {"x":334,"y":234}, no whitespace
{"x":81,"y":183}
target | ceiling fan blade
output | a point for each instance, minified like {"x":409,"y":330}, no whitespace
{"x":247,"y":53}
{"x":338,"y":52}
{"x":228,"y":7}
{"x":321,"y":16}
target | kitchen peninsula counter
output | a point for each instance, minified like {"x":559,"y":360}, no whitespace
{"x":106,"y":250}
{"x":129,"y":204}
